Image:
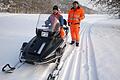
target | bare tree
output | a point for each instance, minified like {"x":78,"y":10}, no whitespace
{"x":28,"y":6}
{"x":110,"y":6}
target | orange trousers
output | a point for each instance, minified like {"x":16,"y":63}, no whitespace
{"x":62,"y":33}
{"x":75,"y":29}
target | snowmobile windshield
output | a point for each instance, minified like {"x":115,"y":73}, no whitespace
{"x":48,"y":26}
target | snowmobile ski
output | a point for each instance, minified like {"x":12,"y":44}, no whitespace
{"x":8,"y":69}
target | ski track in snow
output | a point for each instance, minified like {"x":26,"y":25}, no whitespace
{"x":88,"y":63}
{"x":80,"y":64}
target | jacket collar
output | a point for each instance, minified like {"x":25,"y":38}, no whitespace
{"x":76,"y":8}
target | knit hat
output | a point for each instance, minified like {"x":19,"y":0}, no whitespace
{"x":55,"y":7}
{"x":75,"y":2}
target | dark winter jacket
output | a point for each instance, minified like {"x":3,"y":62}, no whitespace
{"x":58,"y":16}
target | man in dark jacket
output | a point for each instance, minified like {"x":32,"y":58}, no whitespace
{"x":54,"y":19}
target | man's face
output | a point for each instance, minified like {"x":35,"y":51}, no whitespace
{"x":75,"y":5}
{"x":55,"y":11}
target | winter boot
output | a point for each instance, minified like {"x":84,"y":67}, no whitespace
{"x":77,"y":44}
{"x":72,"y":42}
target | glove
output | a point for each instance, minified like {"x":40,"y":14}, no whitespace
{"x":61,"y":26}
{"x":46,"y":23}
{"x":69,"y":24}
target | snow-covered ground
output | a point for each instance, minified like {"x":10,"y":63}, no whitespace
{"x":97,"y":58}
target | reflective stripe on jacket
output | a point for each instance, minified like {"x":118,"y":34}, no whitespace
{"x":76,"y":15}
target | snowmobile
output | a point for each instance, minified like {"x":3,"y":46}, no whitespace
{"x":44,"y":47}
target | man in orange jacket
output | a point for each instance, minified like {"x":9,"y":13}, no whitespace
{"x":75,"y":15}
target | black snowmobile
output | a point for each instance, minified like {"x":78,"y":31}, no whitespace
{"x":45,"y":47}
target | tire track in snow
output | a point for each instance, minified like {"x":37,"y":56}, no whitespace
{"x":74,"y":67}
{"x":71,"y":69}
{"x":84,"y":60}
{"x":88,"y":70}
{"x":80,"y":63}
{"x":91,"y":58}
{"x":66,"y":61}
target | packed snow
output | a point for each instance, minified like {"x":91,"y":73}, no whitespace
{"x":97,"y":57}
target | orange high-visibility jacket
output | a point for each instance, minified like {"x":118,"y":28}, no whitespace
{"x":75,"y":16}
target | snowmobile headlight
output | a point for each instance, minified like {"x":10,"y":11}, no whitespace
{"x":44,"y":34}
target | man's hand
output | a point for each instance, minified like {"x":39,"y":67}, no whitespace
{"x":69,"y":24}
